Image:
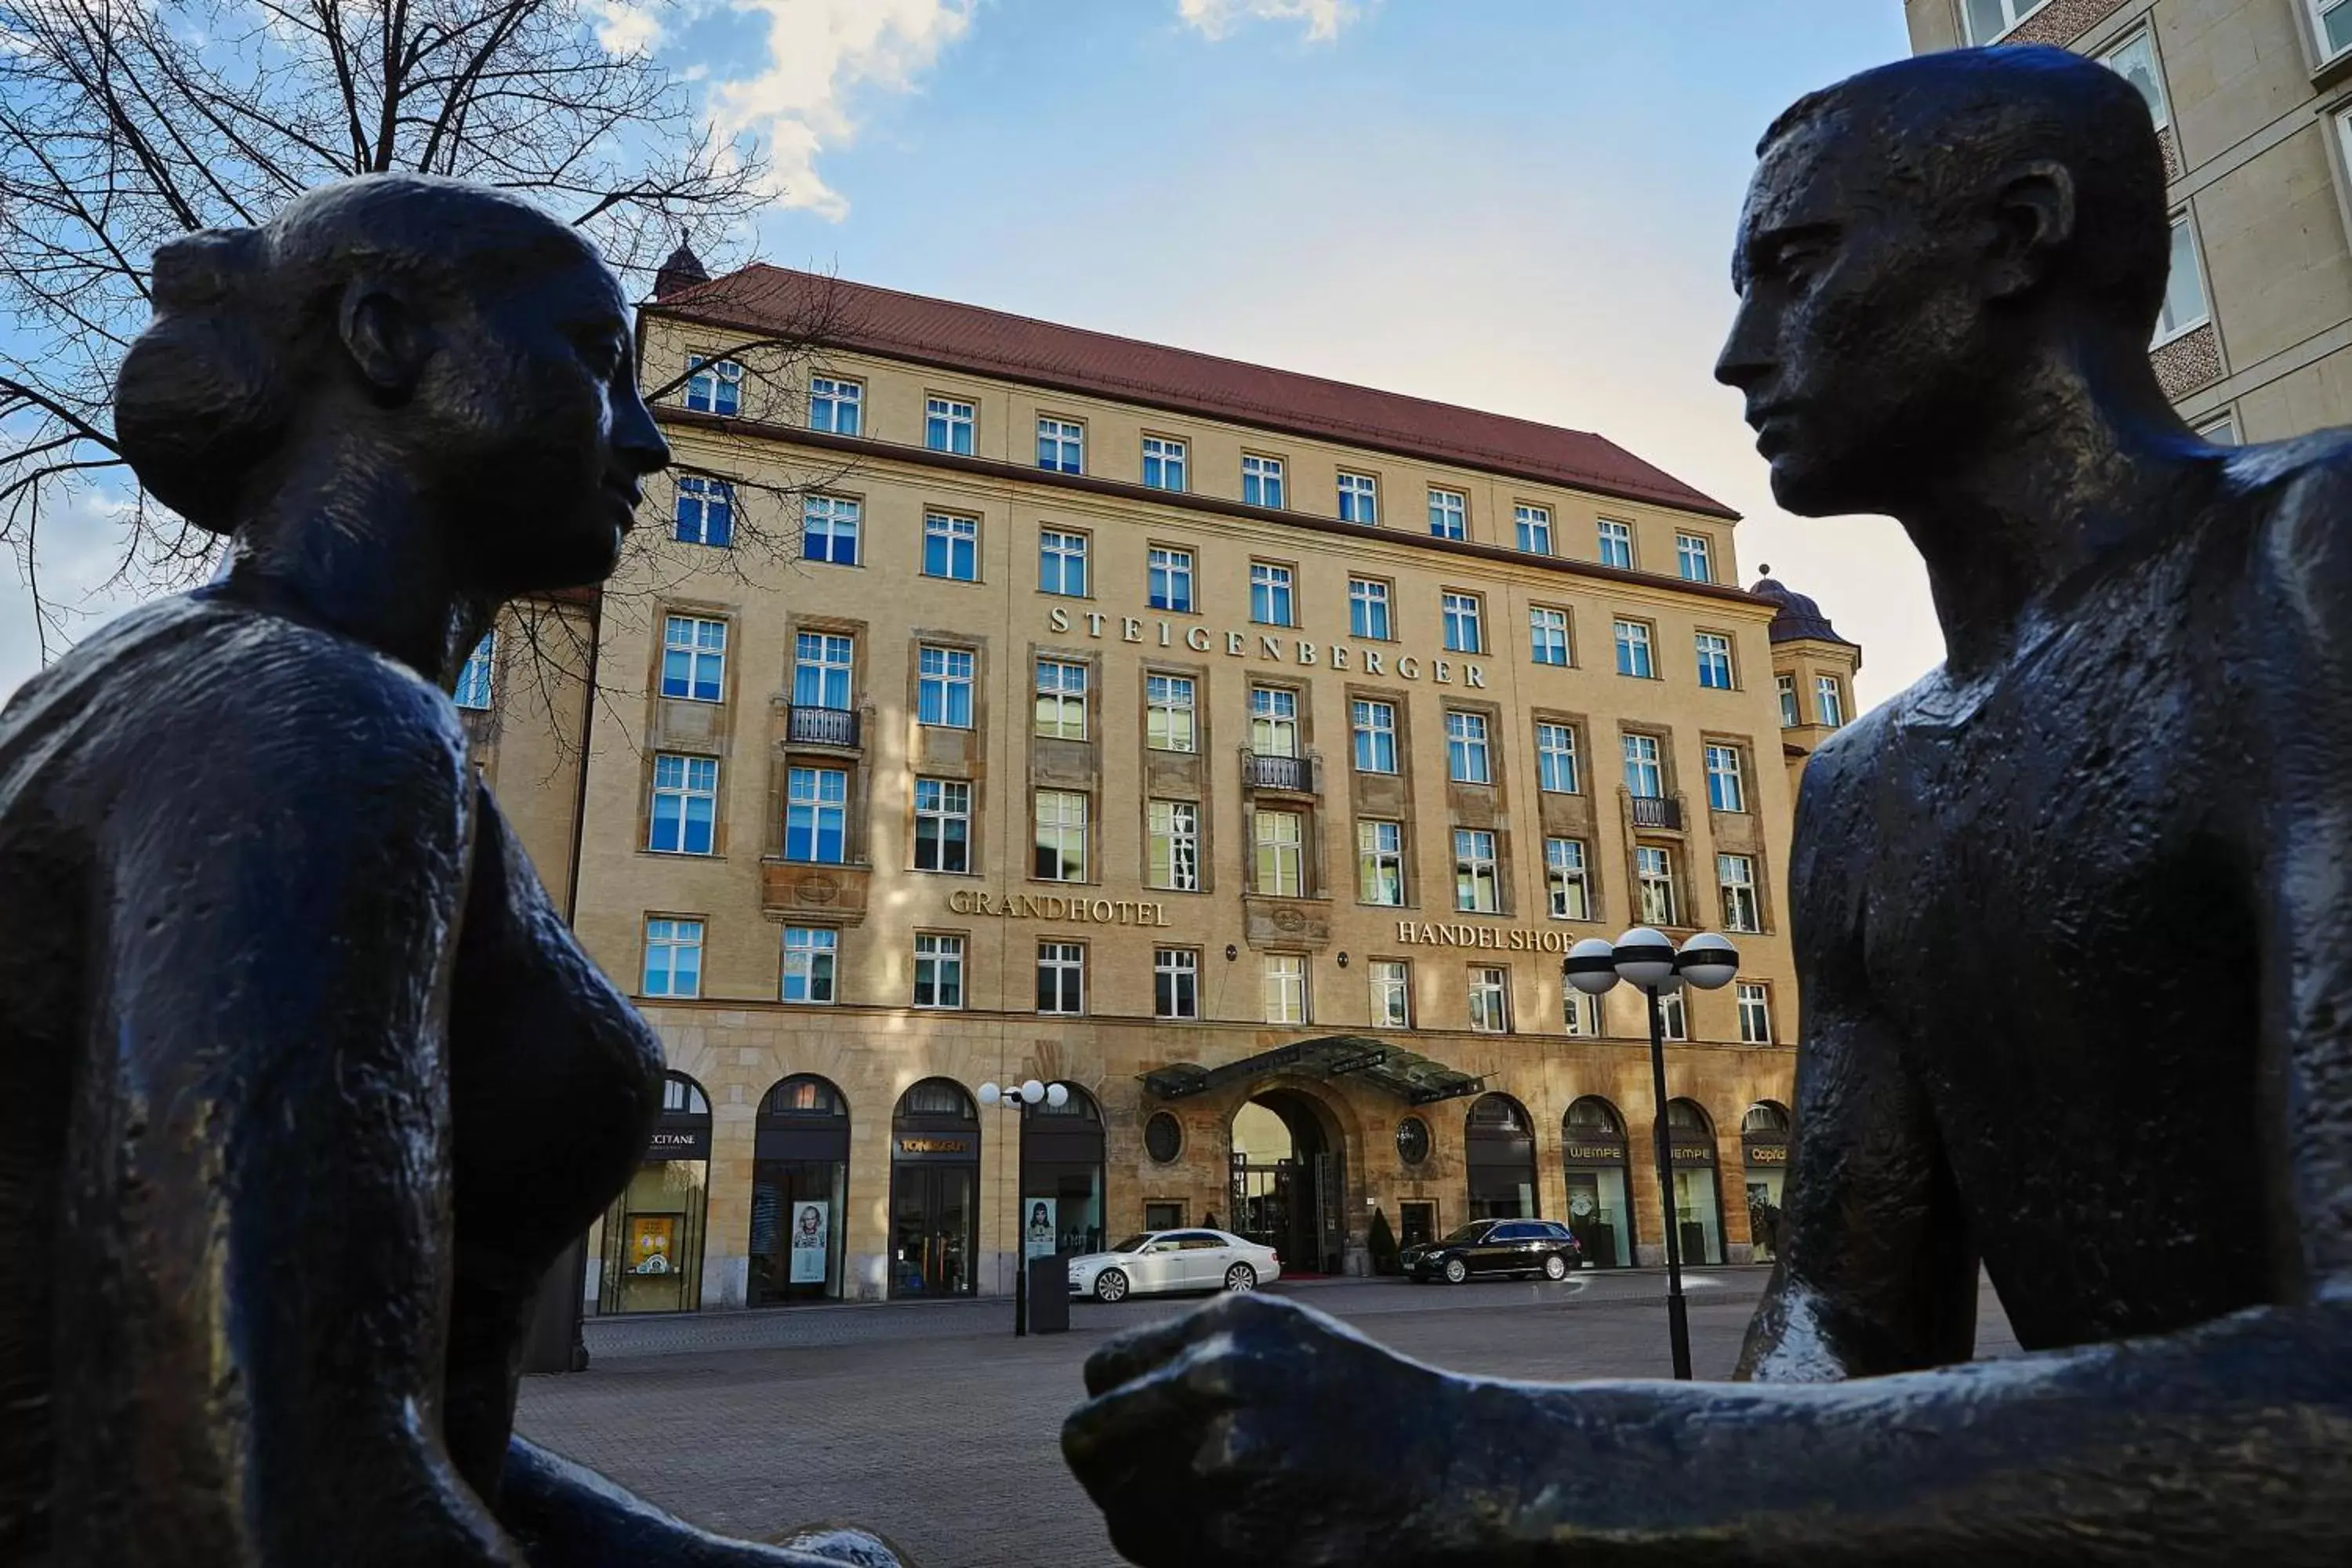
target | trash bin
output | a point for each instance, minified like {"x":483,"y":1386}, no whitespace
{"x":1049,"y":1295}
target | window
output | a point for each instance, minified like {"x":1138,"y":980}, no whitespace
{"x":1173,"y":846}
{"x":1786,"y":686}
{"x":1359,"y":499}
{"x":1171,"y":580}
{"x":942,"y":825}
{"x":816,"y":814}
{"x":809,"y":952}
{"x":1391,"y":994}
{"x":2184,"y":288}
{"x":472,"y":690}
{"x":1262,"y":481}
{"x":1634,"y":648}
{"x":1829,"y":701}
{"x":1175,"y":982}
{"x":1061,"y":700}
{"x":1547,"y":634}
{"x":1988,"y":19}
{"x":1061,"y":977}
{"x":1477,"y":888}
{"x":1564,"y":875}
{"x":1367,"y":609}
{"x":1167,"y":712}
{"x":1061,"y":563}
{"x":686,"y":805}
{"x":939,"y":971}
{"x":1375,"y":726}
{"x":1755,"y":1013}
{"x":829,"y":529}
{"x":1281,"y":854}
{"x":1163,"y":463}
{"x":1061,"y":447}
{"x":1643,"y":775}
{"x":1464,"y":632}
{"x":673,"y":957}
{"x":836,"y":406}
{"x":2134,"y":59}
{"x":1465,"y":748}
{"x":1654,"y":869}
{"x":951,"y":547}
{"x":1270,"y":595}
{"x":822,"y":669}
{"x":1579,"y":1011}
{"x":1616,"y":544}
{"x":1449,"y":514}
{"x":1286,"y":989}
{"x":694,"y":658}
{"x":1380,"y":862}
{"x":1692,"y":558}
{"x":1490,"y":991}
{"x":1534,"y":526}
{"x":715,"y":387}
{"x":943,"y":687}
{"x":1274,"y":722}
{"x":947,"y":425}
{"x":1673,"y":1017}
{"x":1061,"y":837}
{"x":1556,"y":758}
{"x":2223,"y":430}
{"x":1737,"y":876}
{"x":705,"y":511}
{"x":1727,"y":790}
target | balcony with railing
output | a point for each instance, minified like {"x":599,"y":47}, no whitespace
{"x":808,"y":726}
{"x":1262,"y":770}
{"x":1657,"y":810}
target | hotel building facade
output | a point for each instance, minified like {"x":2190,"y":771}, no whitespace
{"x":1241,"y":749}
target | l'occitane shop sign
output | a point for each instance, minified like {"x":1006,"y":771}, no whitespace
{"x":1267,"y":647}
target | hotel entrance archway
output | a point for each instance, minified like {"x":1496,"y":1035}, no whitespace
{"x":1290,"y":1181}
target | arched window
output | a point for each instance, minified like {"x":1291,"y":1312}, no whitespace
{"x":934,"y":1190}
{"x":938,"y":1097}
{"x":681,"y":1096}
{"x":652,"y":1233}
{"x":1764,"y":1146}
{"x":1698,"y":1215}
{"x":1593,"y":1158}
{"x":1062,"y":1190}
{"x":1497,"y":1112}
{"x":1591,"y":1116}
{"x":1765,"y":1120}
{"x":802,"y":1096}
{"x":1080,"y":1105}
{"x":800,"y":1192}
{"x":1500,"y":1153}
{"x":1685,"y":1116}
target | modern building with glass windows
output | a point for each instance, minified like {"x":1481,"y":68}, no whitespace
{"x":1109,"y":729}
{"x":2252,"y":101}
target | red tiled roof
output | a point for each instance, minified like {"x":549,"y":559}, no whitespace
{"x":948,"y":335}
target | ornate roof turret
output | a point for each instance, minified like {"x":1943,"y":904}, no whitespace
{"x":1797,"y":616}
{"x":682,"y":269}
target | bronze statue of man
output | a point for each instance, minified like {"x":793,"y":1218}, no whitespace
{"x":304,"y":1086}
{"x":2073,"y":919}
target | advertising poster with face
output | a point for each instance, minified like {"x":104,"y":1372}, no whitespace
{"x":1037,"y":1235}
{"x":809,"y":1236}
{"x":651,"y":1238}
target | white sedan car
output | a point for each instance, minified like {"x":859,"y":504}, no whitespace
{"x":1169,"y":1260}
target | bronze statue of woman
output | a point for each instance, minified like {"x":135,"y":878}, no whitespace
{"x":303,"y":1084}
{"x":2074,"y":924}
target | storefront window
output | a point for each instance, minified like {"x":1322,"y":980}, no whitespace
{"x":1500,"y":1153}
{"x":1699,"y":1216}
{"x":652,"y":1233}
{"x":1593,"y":1138}
{"x":800,"y":1192}
{"x":1062,"y":1186}
{"x":1764,"y":1139}
{"x":934,"y":1190}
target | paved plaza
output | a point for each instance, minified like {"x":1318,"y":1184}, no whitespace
{"x":930,"y":1423}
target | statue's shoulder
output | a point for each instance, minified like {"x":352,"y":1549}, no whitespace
{"x":2295,"y":501}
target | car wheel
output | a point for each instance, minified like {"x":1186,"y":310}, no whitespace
{"x":1456,"y":1271}
{"x":1110,"y":1285}
{"x":1240,"y":1277}
{"x":1554,"y":1267}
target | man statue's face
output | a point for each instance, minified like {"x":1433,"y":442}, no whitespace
{"x":1860,"y":337}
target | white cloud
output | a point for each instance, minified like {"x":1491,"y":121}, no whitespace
{"x":626,"y":29}
{"x":1215,"y":18}
{"x":820,"y":52}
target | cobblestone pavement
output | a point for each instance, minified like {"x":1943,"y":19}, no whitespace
{"x":930,"y":1423}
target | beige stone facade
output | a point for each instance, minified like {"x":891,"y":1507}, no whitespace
{"x":2254,"y":100}
{"x":1234,"y":708}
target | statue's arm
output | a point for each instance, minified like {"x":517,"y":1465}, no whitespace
{"x":1875,"y":1273}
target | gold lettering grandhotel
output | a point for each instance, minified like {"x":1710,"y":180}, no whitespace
{"x":1003,"y":701}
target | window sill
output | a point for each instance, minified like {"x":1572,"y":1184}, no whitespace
{"x":2181,"y":331}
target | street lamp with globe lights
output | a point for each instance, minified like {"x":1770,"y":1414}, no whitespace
{"x":1645,"y":960}
{"x":1023,"y":1097}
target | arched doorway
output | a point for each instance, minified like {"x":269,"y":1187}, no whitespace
{"x":1594,"y":1151}
{"x":1699,"y":1213}
{"x":1500,"y":1152}
{"x":1289,"y":1181}
{"x":653,"y":1231}
{"x":1062,"y":1184}
{"x":1764,"y":1147}
{"x":934,"y":1190}
{"x":800,"y":1192}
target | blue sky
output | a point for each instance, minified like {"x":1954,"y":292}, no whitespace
{"x":1518,"y":204}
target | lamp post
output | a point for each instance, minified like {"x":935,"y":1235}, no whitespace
{"x":1646,"y":961}
{"x":1022,"y":1099}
